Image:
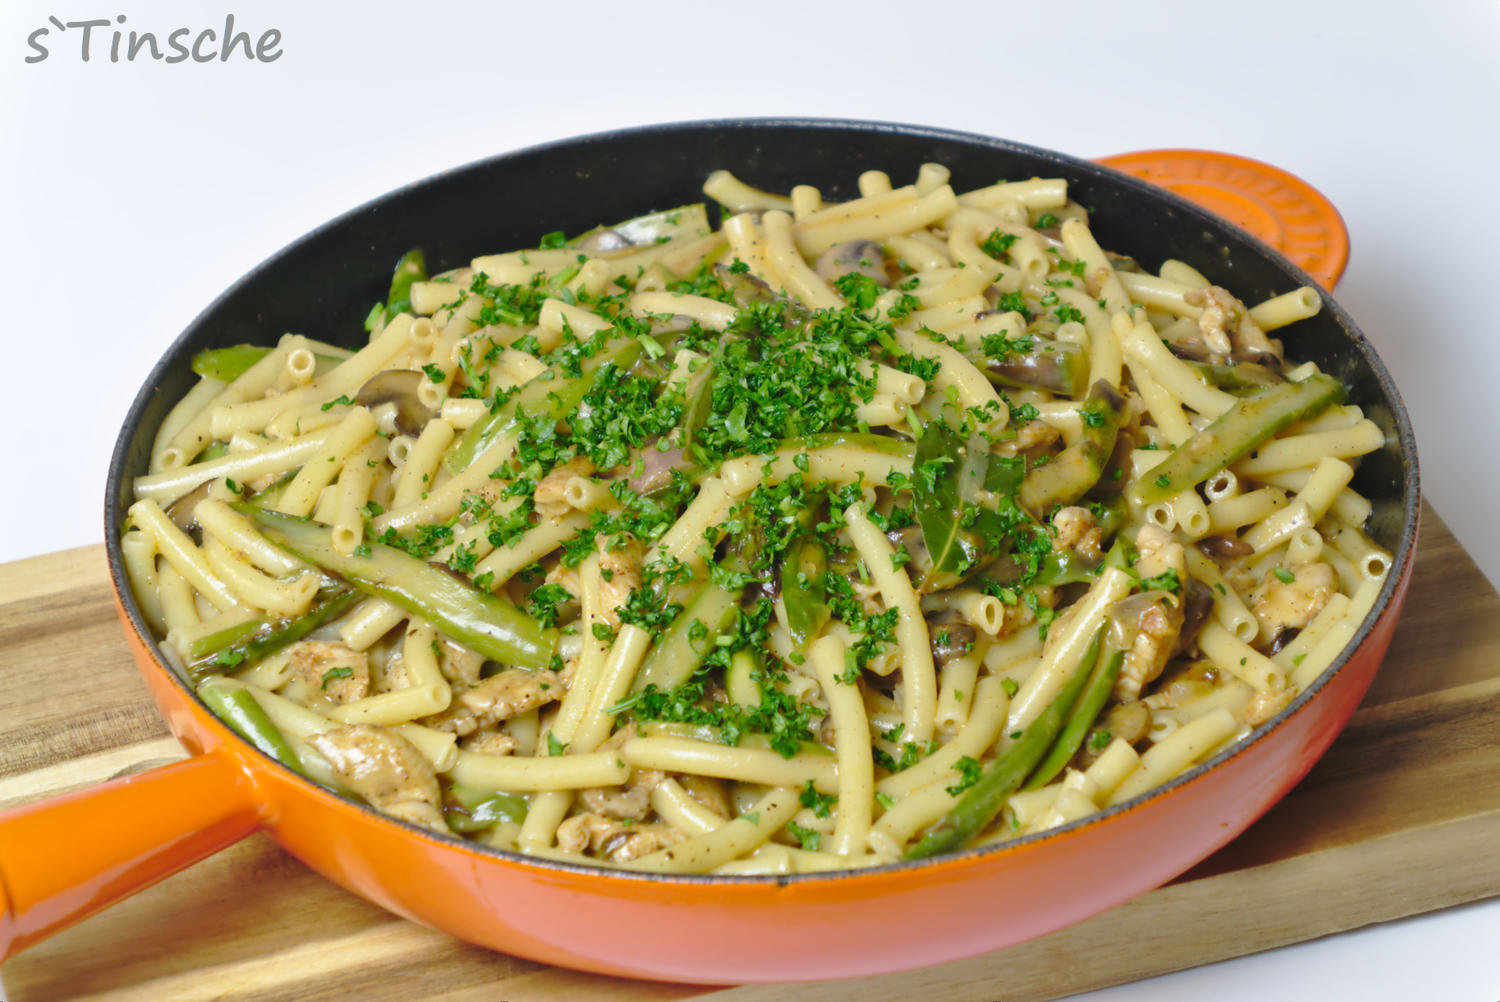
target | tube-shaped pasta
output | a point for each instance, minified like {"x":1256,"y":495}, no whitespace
{"x":856,"y":768}
{"x":235,"y":531}
{"x":343,"y":380}
{"x":355,"y":482}
{"x":979,"y":733}
{"x":787,"y":266}
{"x":276,"y":596}
{"x":1229,"y":608}
{"x":181,"y":552}
{"x":873,"y":217}
{"x":1065,"y":648}
{"x":421,"y":462}
{"x":1289,"y":307}
{"x":1240,"y":659}
{"x":1185,"y":746}
{"x":322,"y":466}
{"x":139,"y":552}
{"x":918,"y":676}
{"x":744,"y":764}
{"x":736,"y":838}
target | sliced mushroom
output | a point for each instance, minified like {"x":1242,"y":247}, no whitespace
{"x":656,"y":466}
{"x":1221,"y":548}
{"x":603,"y":241}
{"x":919,"y":564}
{"x":1283,"y":637}
{"x":950,"y":635}
{"x":1197,"y":603}
{"x":861,"y":257}
{"x":398,"y":387}
{"x":669,"y":324}
{"x":184,"y":511}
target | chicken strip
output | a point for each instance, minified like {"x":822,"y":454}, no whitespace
{"x":385,"y":769}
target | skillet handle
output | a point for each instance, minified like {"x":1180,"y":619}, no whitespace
{"x":1279,"y":208}
{"x":63,"y":859}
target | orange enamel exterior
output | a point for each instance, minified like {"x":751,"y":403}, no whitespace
{"x":697,"y":929}
{"x":1281,"y":209}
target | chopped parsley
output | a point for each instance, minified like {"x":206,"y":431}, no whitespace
{"x":1167,"y":580}
{"x":810,"y":840}
{"x":998,"y":244}
{"x":336,"y":673}
{"x":969,"y":771}
{"x":818,"y":803}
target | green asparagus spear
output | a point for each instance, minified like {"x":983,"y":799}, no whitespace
{"x":489,"y":625}
{"x":1058,"y":366}
{"x":682,"y":645}
{"x":1077,"y":468}
{"x":1234,"y":434}
{"x":1058,"y":566}
{"x":982,"y":801}
{"x":411,"y":268}
{"x":1241,"y":379}
{"x":1100,"y":683}
{"x":227,"y":364}
{"x":686,"y":221}
{"x":238,"y":709}
{"x":249,"y":642}
{"x":468,"y":810}
{"x":803,"y":589}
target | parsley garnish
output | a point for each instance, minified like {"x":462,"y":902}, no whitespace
{"x":1167,"y":580}
{"x":818,"y":803}
{"x":811,"y":840}
{"x":969,"y":771}
{"x":998,"y":244}
{"x":336,"y":673}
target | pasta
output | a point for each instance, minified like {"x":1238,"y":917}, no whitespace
{"x":854,"y":531}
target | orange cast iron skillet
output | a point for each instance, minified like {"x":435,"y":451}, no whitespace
{"x":64,"y":859}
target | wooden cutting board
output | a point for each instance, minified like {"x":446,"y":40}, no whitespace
{"x":1401,"y":817}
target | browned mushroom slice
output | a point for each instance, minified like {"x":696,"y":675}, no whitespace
{"x":656,"y":466}
{"x":397,"y":387}
{"x":861,"y":257}
{"x":604,"y":241}
{"x":184,"y":511}
{"x":1153,"y":620}
{"x":951,"y":636}
{"x":1223,"y":548}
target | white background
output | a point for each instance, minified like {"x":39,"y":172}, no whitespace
{"x":131,"y":194}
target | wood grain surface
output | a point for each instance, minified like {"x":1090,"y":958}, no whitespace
{"x":1401,"y":817}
